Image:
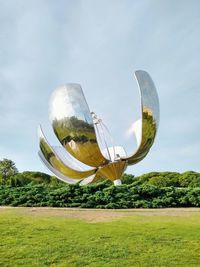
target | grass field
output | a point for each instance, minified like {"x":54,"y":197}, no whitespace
{"x":72,"y":237}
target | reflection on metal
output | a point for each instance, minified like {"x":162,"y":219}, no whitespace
{"x":86,"y":156}
{"x":73,"y":125}
{"x":146,"y":129}
{"x":56,"y":162}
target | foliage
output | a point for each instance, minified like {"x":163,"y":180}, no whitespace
{"x":7,"y":169}
{"x":166,"y":179}
{"x":152,"y":190}
{"x":24,"y":178}
{"x":99,"y":196}
{"x":159,"y":179}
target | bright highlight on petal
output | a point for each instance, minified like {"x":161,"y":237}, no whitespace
{"x":136,"y":129}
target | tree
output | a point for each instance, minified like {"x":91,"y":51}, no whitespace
{"x":7,"y":169}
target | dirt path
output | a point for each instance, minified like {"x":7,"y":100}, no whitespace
{"x":101,"y":215}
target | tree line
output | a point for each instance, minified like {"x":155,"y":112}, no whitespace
{"x":152,"y":190}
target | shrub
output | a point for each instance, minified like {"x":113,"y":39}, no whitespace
{"x":145,"y":191}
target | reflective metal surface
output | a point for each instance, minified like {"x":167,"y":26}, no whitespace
{"x":85,"y":155}
{"x":112,"y":171}
{"x":73,"y":124}
{"x":59,"y":175}
{"x":69,"y":160}
{"x":146,"y":128}
{"x":53,"y":159}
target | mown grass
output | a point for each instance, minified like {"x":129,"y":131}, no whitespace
{"x":138,"y":240}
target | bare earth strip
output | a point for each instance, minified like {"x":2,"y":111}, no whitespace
{"x":101,"y":215}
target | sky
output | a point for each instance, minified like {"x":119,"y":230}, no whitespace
{"x":99,"y":44}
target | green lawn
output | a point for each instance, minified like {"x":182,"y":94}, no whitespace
{"x":29,"y":238}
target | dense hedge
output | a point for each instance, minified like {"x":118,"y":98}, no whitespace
{"x":152,"y":190}
{"x":102,"y":195}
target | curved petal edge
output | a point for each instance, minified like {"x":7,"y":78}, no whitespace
{"x":150,"y":117}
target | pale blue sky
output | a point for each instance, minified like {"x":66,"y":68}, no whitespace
{"x":99,"y":44}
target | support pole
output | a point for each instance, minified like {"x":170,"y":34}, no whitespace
{"x":117,"y":182}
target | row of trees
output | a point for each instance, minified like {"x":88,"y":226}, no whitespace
{"x":152,"y":190}
{"x":9,"y":175}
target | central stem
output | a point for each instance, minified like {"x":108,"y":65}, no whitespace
{"x":117,"y":182}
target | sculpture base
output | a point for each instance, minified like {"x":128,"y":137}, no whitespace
{"x":117,"y":182}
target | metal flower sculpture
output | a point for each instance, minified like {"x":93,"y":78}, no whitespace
{"x":84,"y":155}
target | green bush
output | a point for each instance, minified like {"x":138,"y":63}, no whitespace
{"x":152,"y":190}
{"x":126,"y":196}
